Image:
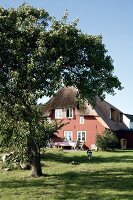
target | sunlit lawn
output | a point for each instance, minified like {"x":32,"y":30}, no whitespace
{"x":109,"y":176}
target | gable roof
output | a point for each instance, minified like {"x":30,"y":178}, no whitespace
{"x":103,"y":110}
{"x":66,"y":97}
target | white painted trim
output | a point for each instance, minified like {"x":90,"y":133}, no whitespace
{"x":71,"y":134}
{"x":81,"y":135}
{"x":69,"y":111}
{"x":57,"y":114}
{"x":82,"y":119}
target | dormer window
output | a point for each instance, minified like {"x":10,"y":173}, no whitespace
{"x":121,"y":117}
{"x":69,"y":113}
{"x":113,"y":114}
{"x":58,"y":113}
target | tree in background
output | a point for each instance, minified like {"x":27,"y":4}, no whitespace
{"x":106,"y":141}
{"x":37,"y":55}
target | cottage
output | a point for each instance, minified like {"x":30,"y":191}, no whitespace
{"x":83,"y":123}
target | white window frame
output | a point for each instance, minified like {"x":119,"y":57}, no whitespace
{"x":82,"y":119}
{"x":70,"y":110}
{"x":81,"y":132}
{"x":58,"y":113}
{"x":69,"y":135}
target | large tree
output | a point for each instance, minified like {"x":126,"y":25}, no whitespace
{"x":37,"y":55}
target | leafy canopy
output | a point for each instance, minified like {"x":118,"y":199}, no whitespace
{"x":37,"y":55}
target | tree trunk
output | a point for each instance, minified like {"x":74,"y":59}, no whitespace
{"x":36,"y":169}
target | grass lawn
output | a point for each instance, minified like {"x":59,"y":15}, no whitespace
{"x":108,"y":176}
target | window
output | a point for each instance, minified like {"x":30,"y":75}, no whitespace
{"x":58,"y":113}
{"x":81,"y":136}
{"x":113,"y":114}
{"x":81,"y":119}
{"x":67,"y":135}
{"x":69,"y":112}
{"x":121,"y":117}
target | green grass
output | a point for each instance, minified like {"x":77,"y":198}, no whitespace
{"x":108,"y":176}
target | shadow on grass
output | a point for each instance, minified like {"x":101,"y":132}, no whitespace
{"x":72,"y":185}
{"x":95,"y":185}
{"x":105,"y":184}
{"x":64,"y":158}
{"x":67,"y":157}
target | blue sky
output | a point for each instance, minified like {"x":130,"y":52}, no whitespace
{"x":114,"y":20}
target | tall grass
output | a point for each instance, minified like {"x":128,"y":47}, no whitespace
{"x":71,"y":175}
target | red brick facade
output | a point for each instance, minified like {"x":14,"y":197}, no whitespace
{"x":91,"y":127}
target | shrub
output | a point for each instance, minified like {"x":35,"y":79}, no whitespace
{"x":107,"y":141}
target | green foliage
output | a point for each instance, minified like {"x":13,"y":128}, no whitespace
{"x":106,"y":141}
{"x":37,"y":54}
{"x":37,"y":60}
{"x":12,"y":161}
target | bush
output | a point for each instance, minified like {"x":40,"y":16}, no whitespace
{"x":107,"y":141}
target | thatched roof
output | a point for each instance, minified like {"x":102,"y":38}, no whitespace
{"x":66,"y":97}
{"x":103,"y":110}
